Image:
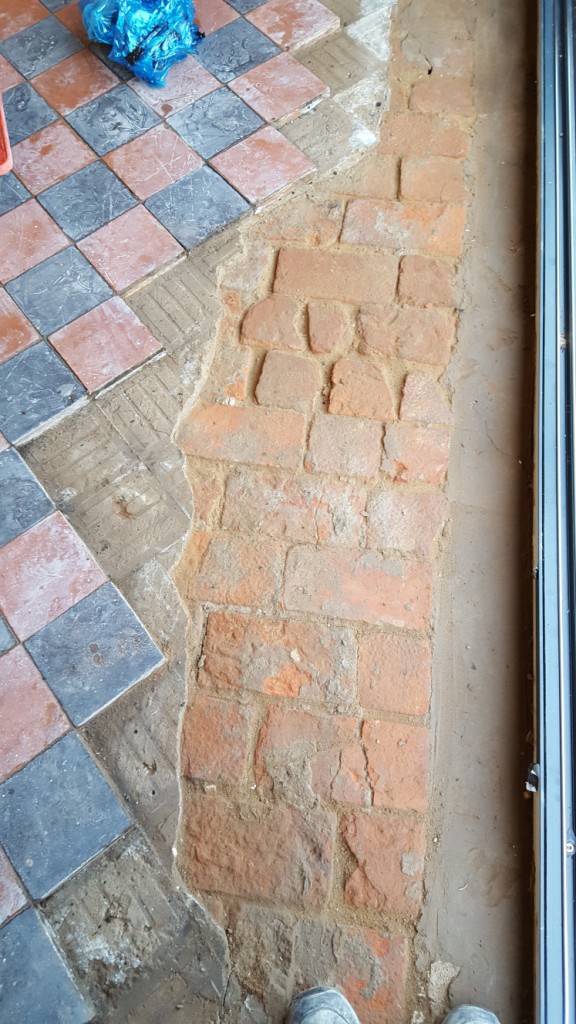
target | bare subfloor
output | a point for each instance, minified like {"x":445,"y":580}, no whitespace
{"x":114,"y":471}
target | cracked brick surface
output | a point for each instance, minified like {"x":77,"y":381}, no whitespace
{"x":317,"y":453}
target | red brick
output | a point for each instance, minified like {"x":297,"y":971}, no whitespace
{"x":330,"y":327}
{"x":420,"y":335}
{"x":274,"y":323}
{"x":358,"y":585}
{"x":390,"y":855}
{"x":433,"y":179}
{"x":288,"y":381}
{"x":406,"y":521}
{"x":215,"y":740}
{"x":423,"y":400}
{"x":279,"y":657}
{"x":416,"y":134}
{"x":231,"y":374}
{"x":342,"y":444}
{"x":299,"y":509}
{"x":416,"y":454}
{"x":359,"y":388}
{"x":426,"y":282}
{"x":397,"y":759}
{"x":207,"y":494}
{"x":394,"y":673}
{"x":368,"y":967}
{"x":280,"y":853}
{"x":262,"y":437}
{"x":436,"y":94}
{"x":434,"y":228}
{"x":303,"y":757}
{"x":228,"y":569}
{"x":374,"y":179}
{"x":303,"y":222}
{"x":344,"y":276}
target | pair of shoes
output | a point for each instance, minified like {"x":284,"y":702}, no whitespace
{"x":328,"y":1006}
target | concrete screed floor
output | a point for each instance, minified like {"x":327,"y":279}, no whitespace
{"x":114,"y":472}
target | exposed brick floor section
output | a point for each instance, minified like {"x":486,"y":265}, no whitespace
{"x":317,"y":452}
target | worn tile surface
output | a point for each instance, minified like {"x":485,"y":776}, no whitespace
{"x":26,"y":112}
{"x":16,"y":15}
{"x":263,"y":165}
{"x":12,"y":896}
{"x":197,"y":206}
{"x":8,"y":75}
{"x":296,"y":24}
{"x":86,"y":200}
{"x":113,"y":119}
{"x":56,"y":814}
{"x":7,"y":638}
{"x":28,"y":236}
{"x":153,"y":161}
{"x":215,"y":122}
{"x":43,"y":573}
{"x":105,"y":343}
{"x":187,"y":81}
{"x":30,"y":716}
{"x":35,"y":387}
{"x":210,"y":15}
{"x":36,"y":985}
{"x":57,"y":291}
{"x":12,"y":193}
{"x":49,"y":155}
{"x":23,"y":501}
{"x":279,"y":88}
{"x":94,"y":652}
{"x":16,"y":332}
{"x":234,"y":49}
{"x":245,"y":6}
{"x":74,"y":82}
{"x":39,"y":47}
{"x":129,"y":248}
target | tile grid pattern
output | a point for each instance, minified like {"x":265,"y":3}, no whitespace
{"x":114,"y":180}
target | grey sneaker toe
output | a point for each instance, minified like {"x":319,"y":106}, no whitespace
{"x":321,"y":1006}
{"x":470,"y":1015}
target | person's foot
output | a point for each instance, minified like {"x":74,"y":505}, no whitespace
{"x":470,"y":1015}
{"x":321,"y":1006}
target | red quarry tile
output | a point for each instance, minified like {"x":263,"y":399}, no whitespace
{"x":104,"y":343}
{"x":74,"y":82}
{"x":43,"y":572}
{"x":12,"y":897}
{"x":279,"y":88}
{"x":294,"y":24}
{"x":153,"y":161}
{"x":50,"y":155}
{"x":16,"y":332}
{"x":263,"y":165}
{"x":187,"y":81}
{"x":30,"y":716}
{"x":71,"y":16}
{"x":130,"y":247}
{"x":28,"y":236}
{"x":8,"y":75}
{"x":16,"y":15}
{"x":4,"y":444}
{"x":212,"y":15}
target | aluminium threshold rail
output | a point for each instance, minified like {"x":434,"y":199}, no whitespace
{"x":555,"y":527}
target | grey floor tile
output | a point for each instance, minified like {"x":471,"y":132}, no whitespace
{"x":102,"y":52}
{"x":56,"y":5}
{"x":56,"y":814}
{"x":23,"y":500}
{"x":234,"y":49}
{"x":94,"y":652}
{"x":7,"y":638}
{"x":58,"y":290}
{"x":12,"y":193}
{"x":35,"y":983}
{"x":113,"y":119}
{"x":215,"y":122}
{"x":244,"y":6}
{"x":87,"y":200}
{"x":26,"y":112}
{"x":35,"y":387}
{"x":197,"y":206}
{"x":40,"y":47}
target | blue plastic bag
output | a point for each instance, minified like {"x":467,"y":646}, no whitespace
{"x":147,"y":36}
